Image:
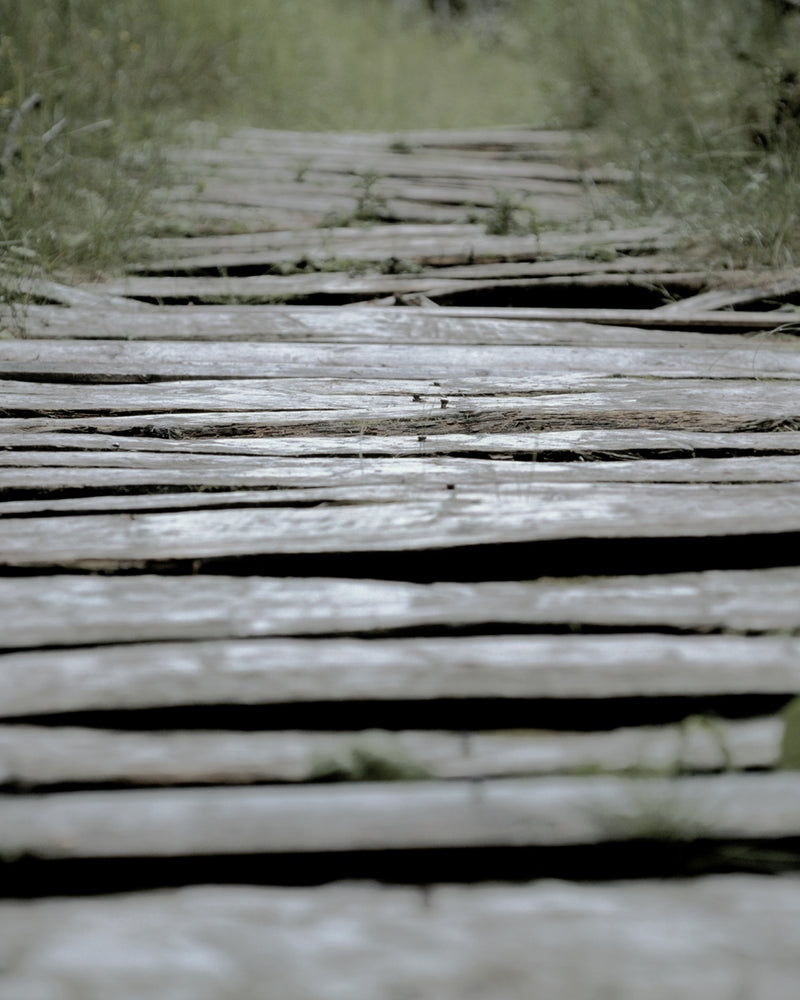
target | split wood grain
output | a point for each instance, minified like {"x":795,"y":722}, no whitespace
{"x":579,"y":445}
{"x":33,"y":757}
{"x":458,"y":518}
{"x":337,"y":671}
{"x":415,"y":421}
{"x":511,"y":325}
{"x":68,"y":610}
{"x":113,"y":470}
{"x":691,"y":403}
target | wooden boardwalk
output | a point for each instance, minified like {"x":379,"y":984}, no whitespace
{"x":400,"y":574}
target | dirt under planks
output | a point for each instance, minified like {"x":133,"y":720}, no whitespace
{"x":418,"y":594}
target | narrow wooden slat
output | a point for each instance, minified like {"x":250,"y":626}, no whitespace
{"x":435,"y":245}
{"x":578,"y":444}
{"x":287,"y":671}
{"x":115,"y":470}
{"x":484,"y":368}
{"x":460,"y":517}
{"x":160,"y":497}
{"x":33,"y":756}
{"x":716,"y":938}
{"x":271,"y":288}
{"x":418,"y":421}
{"x":65,"y":610}
{"x":691,"y":403}
{"x":646,"y":318}
{"x":358,"y":325}
{"x":415,"y":815}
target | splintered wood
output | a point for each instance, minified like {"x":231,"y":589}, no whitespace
{"x":353,"y":535}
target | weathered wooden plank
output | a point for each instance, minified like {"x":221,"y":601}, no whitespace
{"x":460,"y":517}
{"x":717,"y":938}
{"x":319,"y":197}
{"x":314,"y":324}
{"x":112,"y":470}
{"x":98,"y":500}
{"x":578,"y":445}
{"x":544,"y":811}
{"x":482,"y":368}
{"x":445,"y":324}
{"x":415,"y":420}
{"x":289,"y":671}
{"x":188,"y":260}
{"x":408,"y":180}
{"x":32,"y":756}
{"x":435,"y":245}
{"x":65,"y":610}
{"x":648,"y":318}
{"x":691,"y":403}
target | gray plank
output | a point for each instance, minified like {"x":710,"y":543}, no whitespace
{"x":359,"y":324}
{"x":442,"y":245}
{"x":31,"y":470}
{"x":289,"y":671}
{"x":459,"y":517}
{"x":443,"y":325}
{"x":690,"y":403}
{"x":542,"y":811}
{"x":276,"y":289}
{"x":415,"y":421}
{"x":650,"y":318}
{"x":580,"y":444}
{"x":66,"y":610}
{"x":718,"y":938}
{"x":98,"y":500}
{"x":32,"y":756}
{"x":488,"y":365}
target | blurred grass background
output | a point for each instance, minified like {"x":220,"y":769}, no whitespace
{"x":700,"y":97}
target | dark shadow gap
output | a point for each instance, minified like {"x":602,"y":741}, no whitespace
{"x":475,"y":563}
{"x":27,"y":877}
{"x":451,"y":714}
{"x":550,"y":294}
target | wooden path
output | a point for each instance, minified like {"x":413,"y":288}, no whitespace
{"x":395,"y":606}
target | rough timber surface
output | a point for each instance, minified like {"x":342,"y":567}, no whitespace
{"x":718,"y":938}
{"x":388,"y":548}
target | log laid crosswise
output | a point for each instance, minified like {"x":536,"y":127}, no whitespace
{"x":400,"y":574}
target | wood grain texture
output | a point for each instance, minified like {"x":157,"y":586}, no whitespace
{"x":65,"y":610}
{"x":287,"y":671}
{"x":370,"y":324}
{"x":577,"y":445}
{"x":715,"y":938}
{"x":459,"y":517}
{"x":488,"y":364}
{"x":32,"y":756}
{"x":514,"y":812}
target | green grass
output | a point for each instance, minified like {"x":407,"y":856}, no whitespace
{"x":689,"y":93}
{"x":702,"y":99}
